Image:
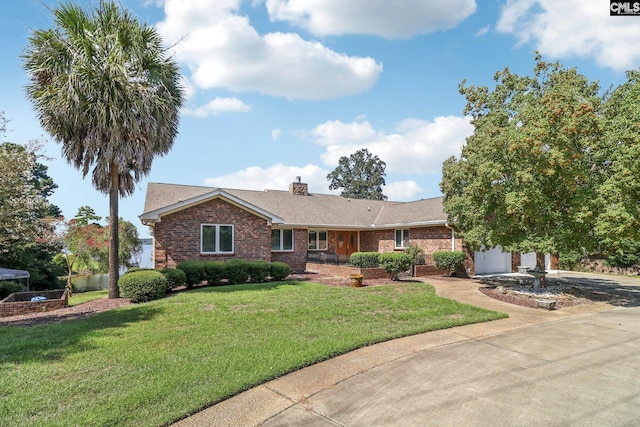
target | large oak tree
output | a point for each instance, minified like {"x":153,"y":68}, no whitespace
{"x":526,"y":179}
{"x":104,"y":87}
{"x":619,"y":195}
{"x":361,"y":176}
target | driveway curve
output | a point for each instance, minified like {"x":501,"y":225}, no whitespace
{"x":576,"y":366}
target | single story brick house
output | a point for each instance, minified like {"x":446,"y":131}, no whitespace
{"x":192,"y":222}
{"x":295,"y":226}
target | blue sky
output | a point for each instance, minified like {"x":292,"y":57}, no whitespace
{"x":283,"y":88}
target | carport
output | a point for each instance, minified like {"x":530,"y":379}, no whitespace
{"x":15,"y":275}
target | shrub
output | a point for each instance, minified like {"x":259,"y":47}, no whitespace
{"x":237,"y":271}
{"x":214,"y":272}
{"x":450,"y":261}
{"x":134,"y":269}
{"x":175,"y":278}
{"x":194,"y":270}
{"x":143,"y":286}
{"x":279,"y":270}
{"x":395,"y":263}
{"x":416,"y":253}
{"x":259,"y":271}
{"x":9,"y":287}
{"x":365,"y":259}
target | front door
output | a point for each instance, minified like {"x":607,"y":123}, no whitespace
{"x":347,"y":243}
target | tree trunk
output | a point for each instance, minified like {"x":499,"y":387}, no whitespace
{"x":114,"y":264}
{"x":540,"y":267}
{"x":69,"y":273}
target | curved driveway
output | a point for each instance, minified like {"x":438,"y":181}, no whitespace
{"x":578,"y":366}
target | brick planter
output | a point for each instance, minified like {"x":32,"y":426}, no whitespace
{"x":20,"y":302}
{"x":368,"y":273}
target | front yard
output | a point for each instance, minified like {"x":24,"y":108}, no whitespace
{"x":153,"y":363}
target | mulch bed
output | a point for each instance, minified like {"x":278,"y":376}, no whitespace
{"x":525,"y":299}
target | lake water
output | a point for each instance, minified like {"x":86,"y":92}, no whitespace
{"x":96,"y":282}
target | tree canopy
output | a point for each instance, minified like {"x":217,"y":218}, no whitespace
{"x":619,"y":195}
{"x":27,"y":217}
{"x":24,"y":188}
{"x":361,"y":176}
{"x":103,"y":86}
{"x":527,"y":178}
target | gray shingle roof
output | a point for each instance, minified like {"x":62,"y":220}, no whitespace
{"x":319,"y":210}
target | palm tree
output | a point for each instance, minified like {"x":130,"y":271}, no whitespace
{"x":103,"y":86}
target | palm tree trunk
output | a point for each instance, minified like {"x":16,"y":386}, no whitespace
{"x":114,"y":265}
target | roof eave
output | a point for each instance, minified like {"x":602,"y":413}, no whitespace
{"x":151,"y":217}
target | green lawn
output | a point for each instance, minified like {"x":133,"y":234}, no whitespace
{"x":80,"y":297}
{"x":150,"y":364}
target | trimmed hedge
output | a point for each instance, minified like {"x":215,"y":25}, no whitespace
{"x":259,"y":271}
{"x":175,"y":278}
{"x":450,"y":261}
{"x":134,"y":269}
{"x":279,"y":270}
{"x":365,"y":259}
{"x":237,"y":271}
{"x":395,"y":263}
{"x":194,"y":270}
{"x":214,"y":272}
{"x":142,"y":286}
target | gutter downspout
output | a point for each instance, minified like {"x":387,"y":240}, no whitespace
{"x":453,"y":239}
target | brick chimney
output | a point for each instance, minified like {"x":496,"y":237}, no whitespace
{"x":298,"y":188}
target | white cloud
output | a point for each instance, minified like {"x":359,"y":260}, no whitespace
{"x":276,"y":177}
{"x":390,"y":19}
{"x":217,"y":106}
{"x":330,"y":132}
{"x":416,"y":146}
{"x":279,"y":176}
{"x":483,"y":31}
{"x":275,"y":134}
{"x":574,"y":28}
{"x":402,"y":190}
{"x":223,"y":50}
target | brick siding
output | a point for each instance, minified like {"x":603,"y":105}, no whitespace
{"x":298,"y":258}
{"x":177,"y":236}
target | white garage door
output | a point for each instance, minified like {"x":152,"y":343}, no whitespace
{"x":492,"y":261}
{"x":529,"y":260}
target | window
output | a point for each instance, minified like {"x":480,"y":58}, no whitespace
{"x":216,"y":239}
{"x":317,"y":240}
{"x":281,"y":240}
{"x":402,"y":238}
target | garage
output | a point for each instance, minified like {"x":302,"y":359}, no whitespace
{"x":529,"y":260}
{"x":492,"y":261}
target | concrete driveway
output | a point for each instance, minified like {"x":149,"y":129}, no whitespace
{"x":578,"y":366}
